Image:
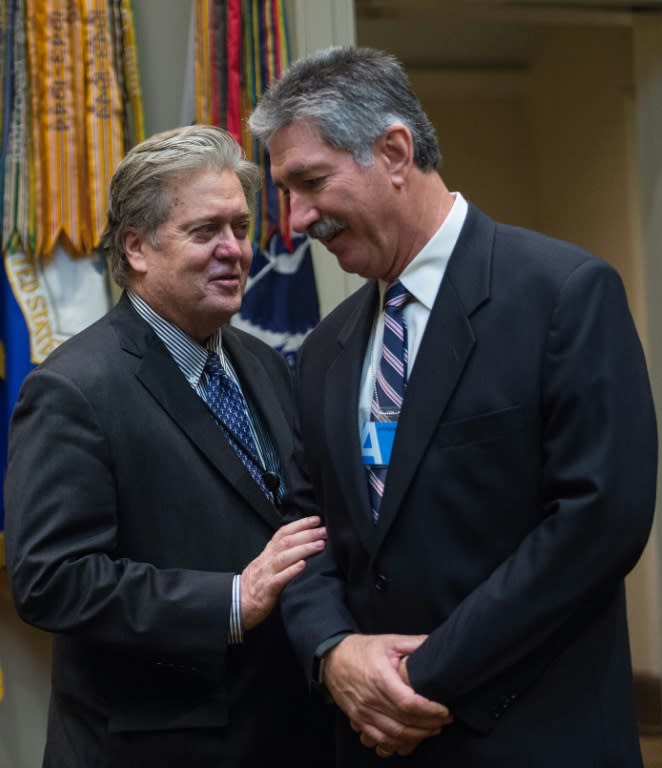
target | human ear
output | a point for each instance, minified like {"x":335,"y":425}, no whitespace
{"x":396,"y":147}
{"x":133,"y":243}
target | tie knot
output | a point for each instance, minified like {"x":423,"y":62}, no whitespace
{"x":213,"y":365}
{"x":396,"y":295}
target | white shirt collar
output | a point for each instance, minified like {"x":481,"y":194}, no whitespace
{"x":422,"y":276}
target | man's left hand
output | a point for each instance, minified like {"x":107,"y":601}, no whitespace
{"x":363,"y":675}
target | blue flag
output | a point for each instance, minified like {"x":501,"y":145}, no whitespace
{"x":16,"y":363}
{"x":280,"y":305}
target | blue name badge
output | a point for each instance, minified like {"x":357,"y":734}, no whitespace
{"x":377,"y":442}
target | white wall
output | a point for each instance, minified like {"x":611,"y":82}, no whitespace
{"x":162,"y":37}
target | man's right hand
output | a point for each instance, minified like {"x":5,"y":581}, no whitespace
{"x":362,"y":674}
{"x":280,"y":561}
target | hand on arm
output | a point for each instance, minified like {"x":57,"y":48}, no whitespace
{"x":362,"y":674}
{"x":280,"y":561}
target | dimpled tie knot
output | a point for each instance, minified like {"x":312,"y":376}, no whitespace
{"x":226,"y":402}
{"x":390,"y":381}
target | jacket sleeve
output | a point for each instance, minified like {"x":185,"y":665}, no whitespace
{"x":313,"y":604}
{"x":61,"y":500}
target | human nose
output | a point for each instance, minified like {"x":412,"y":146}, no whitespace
{"x":302,"y":213}
{"x":227,"y":244}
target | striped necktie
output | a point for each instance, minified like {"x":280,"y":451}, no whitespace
{"x":390,"y":381}
{"x":226,"y":402}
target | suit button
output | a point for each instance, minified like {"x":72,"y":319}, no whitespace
{"x":381,"y":583}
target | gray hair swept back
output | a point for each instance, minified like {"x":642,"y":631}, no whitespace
{"x":139,"y":190}
{"x":351,"y":95}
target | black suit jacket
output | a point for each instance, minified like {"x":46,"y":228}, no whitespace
{"x":520,"y":492}
{"x":128,"y":513}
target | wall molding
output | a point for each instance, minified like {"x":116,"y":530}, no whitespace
{"x":529,"y":12}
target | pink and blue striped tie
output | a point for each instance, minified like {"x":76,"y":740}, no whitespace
{"x":390,"y":381}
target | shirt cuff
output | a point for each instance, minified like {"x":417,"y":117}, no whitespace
{"x":320,"y":652}
{"x":235,"y":632}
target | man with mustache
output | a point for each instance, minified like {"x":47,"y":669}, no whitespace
{"x":146,"y":468}
{"x":476,"y":428}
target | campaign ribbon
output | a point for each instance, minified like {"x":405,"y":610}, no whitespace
{"x":103,"y":108}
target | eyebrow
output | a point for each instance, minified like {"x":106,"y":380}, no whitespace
{"x":244,"y":215}
{"x":299,"y":171}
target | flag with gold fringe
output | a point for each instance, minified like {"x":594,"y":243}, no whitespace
{"x":71,"y":107}
{"x":240,"y":47}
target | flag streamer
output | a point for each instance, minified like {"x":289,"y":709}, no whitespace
{"x":103,"y":109}
{"x":241,"y":47}
{"x":71,"y":106}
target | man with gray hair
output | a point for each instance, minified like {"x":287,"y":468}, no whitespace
{"x":475,"y":426}
{"x":146,"y":468}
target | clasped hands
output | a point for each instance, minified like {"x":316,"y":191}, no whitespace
{"x":367,"y":677}
{"x":365,"y":674}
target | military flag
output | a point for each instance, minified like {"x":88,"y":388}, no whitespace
{"x":71,"y":107}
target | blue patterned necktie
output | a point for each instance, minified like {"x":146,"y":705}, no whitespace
{"x":226,"y":402}
{"x":390,"y":381}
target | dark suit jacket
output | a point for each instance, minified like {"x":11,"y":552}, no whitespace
{"x":520,"y":492}
{"x":127,"y":515}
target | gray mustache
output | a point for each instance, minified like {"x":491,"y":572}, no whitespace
{"x":325,"y":228}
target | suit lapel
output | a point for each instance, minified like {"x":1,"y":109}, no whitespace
{"x":341,"y":409}
{"x":160,"y":376}
{"x":446,"y":347}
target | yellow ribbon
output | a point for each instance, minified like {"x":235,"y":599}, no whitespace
{"x":103,"y":109}
{"x":131,"y":71}
{"x":53,"y":68}
{"x":203,"y":98}
{"x":67,"y":134}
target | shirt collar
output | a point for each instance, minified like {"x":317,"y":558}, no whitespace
{"x":422,"y":276}
{"x":189,"y":356}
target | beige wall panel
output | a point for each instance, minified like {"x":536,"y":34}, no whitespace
{"x":482,"y":121}
{"x":582,"y":82}
{"x":645,"y":593}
